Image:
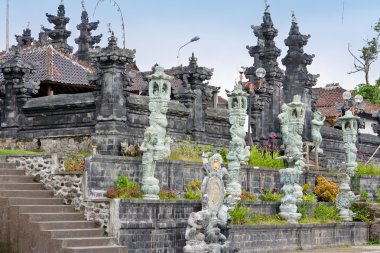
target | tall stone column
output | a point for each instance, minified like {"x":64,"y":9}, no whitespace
{"x":17,"y":90}
{"x":297,"y":79}
{"x":265,"y":55}
{"x":111,"y":81}
{"x":345,"y":197}
{"x":238,"y":152}
{"x":193,"y":94}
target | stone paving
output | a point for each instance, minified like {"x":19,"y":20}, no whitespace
{"x":353,"y":249}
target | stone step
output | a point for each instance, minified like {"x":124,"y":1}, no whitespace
{"x":6,"y":165}
{"x":55,"y":216}
{"x":21,"y":186}
{"x":90,"y":241}
{"x":96,"y":249}
{"x":26,"y":193}
{"x":51,"y":225}
{"x":15,"y":179}
{"x":76,"y":233}
{"x":35,"y":201}
{"x":12,"y":172}
{"x":46,"y":208}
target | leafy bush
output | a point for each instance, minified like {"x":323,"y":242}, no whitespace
{"x":371,"y":169}
{"x":124,"y":189}
{"x":306,"y":188}
{"x":75,"y":161}
{"x":325,"y":190}
{"x":326,"y":214}
{"x":309,"y":197}
{"x":363,"y":194}
{"x":193,"y":190}
{"x":188,"y":151}
{"x":263,"y":219}
{"x":361,"y":212}
{"x":248,"y":197}
{"x":239,"y":215}
{"x":167,"y":194}
{"x":223,"y":152}
{"x":271,"y":195}
{"x":263,"y":158}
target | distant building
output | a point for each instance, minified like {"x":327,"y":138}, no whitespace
{"x":330,"y":102}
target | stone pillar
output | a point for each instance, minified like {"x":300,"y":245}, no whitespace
{"x":193,"y":94}
{"x":110,"y":97}
{"x":265,"y":55}
{"x":297,"y":80}
{"x":238,"y":152}
{"x":17,"y":91}
{"x":345,"y":197}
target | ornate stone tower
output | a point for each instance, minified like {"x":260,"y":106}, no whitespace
{"x":111,"y":82}
{"x":193,"y":94}
{"x":85,"y":40}
{"x":265,"y":55}
{"x":26,"y":39}
{"x":297,"y":79}
{"x":58,"y":36}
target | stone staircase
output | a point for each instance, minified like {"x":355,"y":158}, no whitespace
{"x":32,"y":220}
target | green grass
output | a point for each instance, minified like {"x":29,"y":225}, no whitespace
{"x":263,"y":219}
{"x":371,"y":169}
{"x":19,"y":152}
{"x":263,"y":158}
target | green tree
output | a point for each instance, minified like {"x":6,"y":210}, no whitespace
{"x":368,"y":54}
{"x":369,"y":92}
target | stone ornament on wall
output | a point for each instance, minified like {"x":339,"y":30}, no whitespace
{"x":345,"y":197}
{"x":156,"y":144}
{"x":238,"y":151}
{"x":292,"y":120}
{"x":316,"y":125}
{"x":207,"y":230}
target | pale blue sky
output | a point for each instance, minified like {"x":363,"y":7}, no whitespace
{"x":157,"y":28}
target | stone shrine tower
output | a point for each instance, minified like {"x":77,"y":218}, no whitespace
{"x":85,"y":40}
{"x":297,"y":79}
{"x":57,"y":36}
{"x":26,"y":39}
{"x":266,"y":105}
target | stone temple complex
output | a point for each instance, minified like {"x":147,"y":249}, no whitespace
{"x":131,"y":124}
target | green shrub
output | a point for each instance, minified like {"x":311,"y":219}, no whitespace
{"x":271,"y":195}
{"x":263,"y":219}
{"x":361,"y":212}
{"x":124,"y":189}
{"x":167,"y":194}
{"x":363,"y":194}
{"x":193,"y":190}
{"x":371,"y":169}
{"x":309,"y":197}
{"x":326,"y":214}
{"x":263,"y":158}
{"x":248,"y":197}
{"x":239,"y":215}
{"x":223,"y":152}
{"x":188,"y":151}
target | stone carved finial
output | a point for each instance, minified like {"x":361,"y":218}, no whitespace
{"x":345,"y":197}
{"x":207,"y":230}
{"x":294,"y":19}
{"x":156,"y":144}
{"x":317,"y":123}
{"x":238,"y":152}
{"x":292,"y":120}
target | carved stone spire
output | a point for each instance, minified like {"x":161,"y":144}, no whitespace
{"x":85,"y":40}
{"x":26,"y":39}
{"x":58,"y":36}
{"x":297,"y":79}
{"x":265,"y":55}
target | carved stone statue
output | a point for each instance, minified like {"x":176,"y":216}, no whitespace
{"x":346,"y":196}
{"x":207,"y":230}
{"x":292,"y":120}
{"x":156,"y":145}
{"x":238,"y":152}
{"x":316,"y":125}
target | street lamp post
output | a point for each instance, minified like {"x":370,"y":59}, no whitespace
{"x":196,"y":38}
{"x":260,"y":73}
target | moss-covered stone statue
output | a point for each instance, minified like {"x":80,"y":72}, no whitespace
{"x":292,"y":118}
{"x":207,"y":230}
{"x":156,"y":145}
{"x":345,"y":197}
{"x":238,"y":151}
{"x":316,"y":125}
